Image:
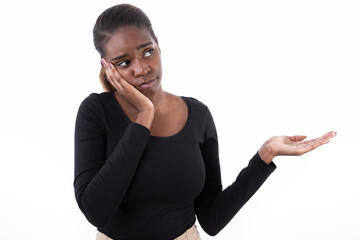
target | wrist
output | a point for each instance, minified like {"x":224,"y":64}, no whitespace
{"x":145,"y":118}
{"x":266,"y":153}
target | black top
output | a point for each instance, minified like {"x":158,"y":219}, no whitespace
{"x":132,"y":185}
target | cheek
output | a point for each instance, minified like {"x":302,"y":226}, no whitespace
{"x":157,"y":66}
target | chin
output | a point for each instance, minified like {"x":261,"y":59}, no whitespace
{"x":154,"y":88}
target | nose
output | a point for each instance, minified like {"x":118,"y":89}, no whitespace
{"x":141,"y":68}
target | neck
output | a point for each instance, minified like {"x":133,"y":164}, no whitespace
{"x":157,"y":98}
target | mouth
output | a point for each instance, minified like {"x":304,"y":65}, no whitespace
{"x":147,"y":84}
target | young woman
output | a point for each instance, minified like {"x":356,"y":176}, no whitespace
{"x":146,"y":161}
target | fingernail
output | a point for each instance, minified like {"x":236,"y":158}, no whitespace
{"x":110,"y":65}
{"x":102,"y":61}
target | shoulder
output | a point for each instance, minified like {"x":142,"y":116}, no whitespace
{"x":94,"y":104}
{"x":96,"y":100}
{"x":202,"y":117}
{"x":195,"y":103}
{"x":197,"y":109}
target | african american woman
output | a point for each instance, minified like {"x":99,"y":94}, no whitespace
{"x":146,"y":161}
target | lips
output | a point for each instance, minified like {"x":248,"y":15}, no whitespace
{"x":147,"y":83}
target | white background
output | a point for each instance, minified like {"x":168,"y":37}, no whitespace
{"x":263,"y":68}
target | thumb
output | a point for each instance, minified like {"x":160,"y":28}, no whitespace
{"x":297,"y":138}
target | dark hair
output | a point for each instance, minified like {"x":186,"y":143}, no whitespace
{"x":113,"y":19}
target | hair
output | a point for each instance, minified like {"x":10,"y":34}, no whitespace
{"x":112,"y":19}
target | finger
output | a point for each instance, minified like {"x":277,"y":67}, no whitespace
{"x":102,"y":61}
{"x":115,"y":82}
{"x":116,"y":76}
{"x":296,"y":138}
{"x":112,"y":75}
{"x":329,"y":135}
{"x":323,"y":139}
{"x":310,"y":145}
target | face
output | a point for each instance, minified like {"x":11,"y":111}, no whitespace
{"x":136,"y":56}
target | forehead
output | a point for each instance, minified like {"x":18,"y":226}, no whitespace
{"x":125,"y":41}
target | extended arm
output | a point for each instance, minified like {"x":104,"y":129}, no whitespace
{"x":216,"y":207}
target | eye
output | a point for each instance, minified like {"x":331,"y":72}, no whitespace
{"x":123,"y":63}
{"x":149,"y":52}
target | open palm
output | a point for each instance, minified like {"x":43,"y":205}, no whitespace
{"x":291,"y":145}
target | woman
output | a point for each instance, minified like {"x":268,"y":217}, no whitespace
{"x":146,"y":161}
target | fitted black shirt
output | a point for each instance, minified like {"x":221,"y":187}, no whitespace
{"x":132,"y":185}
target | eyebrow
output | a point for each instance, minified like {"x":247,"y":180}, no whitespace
{"x":137,"y":48}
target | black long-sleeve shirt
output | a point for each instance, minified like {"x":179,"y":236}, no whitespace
{"x":132,"y":185}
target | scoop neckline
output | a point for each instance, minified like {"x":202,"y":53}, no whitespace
{"x":166,"y":138}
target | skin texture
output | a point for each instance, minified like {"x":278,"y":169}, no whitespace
{"x":151,"y":107}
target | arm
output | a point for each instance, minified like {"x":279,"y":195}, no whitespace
{"x":216,"y":207}
{"x":100,"y":184}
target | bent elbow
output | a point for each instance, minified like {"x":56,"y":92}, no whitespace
{"x":210,"y":229}
{"x":97,"y":221}
{"x":94,"y":216}
{"x":212,"y":232}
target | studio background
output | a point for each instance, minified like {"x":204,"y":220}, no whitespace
{"x":263,"y":68}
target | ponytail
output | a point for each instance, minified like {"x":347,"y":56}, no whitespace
{"x":104,"y":82}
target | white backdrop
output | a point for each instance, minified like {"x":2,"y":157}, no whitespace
{"x":263,"y":68}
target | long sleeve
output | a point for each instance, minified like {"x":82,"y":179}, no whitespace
{"x":100,"y":184}
{"x":216,"y":207}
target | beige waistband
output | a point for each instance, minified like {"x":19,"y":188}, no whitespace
{"x":190,"y":234}
{"x":101,"y":236}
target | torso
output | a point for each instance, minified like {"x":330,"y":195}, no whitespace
{"x":168,"y":120}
